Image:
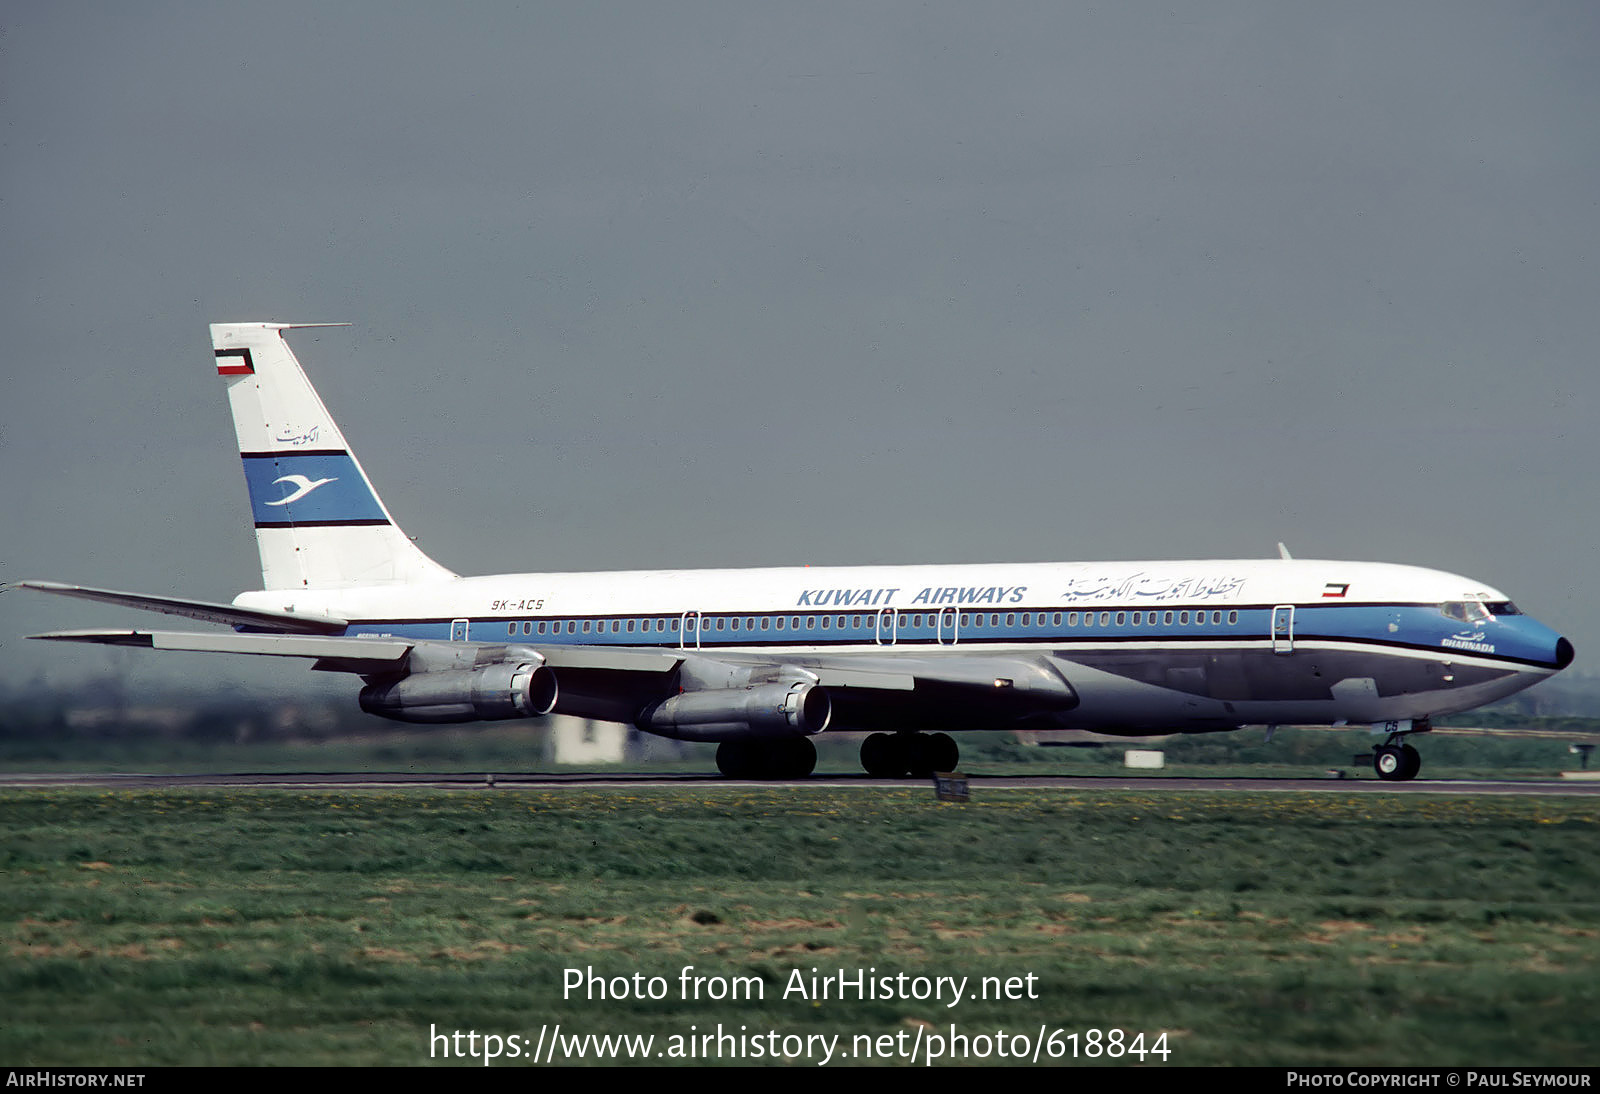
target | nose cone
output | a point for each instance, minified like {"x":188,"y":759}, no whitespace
{"x":1564,"y":653}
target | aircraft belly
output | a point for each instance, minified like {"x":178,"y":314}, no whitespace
{"x":936,"y":706}
{"x":606,"y":695}
{"x":1307,"y":676}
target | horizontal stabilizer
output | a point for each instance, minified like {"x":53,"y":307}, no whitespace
{"x":195,"y":609}
{"x":362,"y":654}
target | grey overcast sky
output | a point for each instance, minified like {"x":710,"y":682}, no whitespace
{"x":726,"y":284}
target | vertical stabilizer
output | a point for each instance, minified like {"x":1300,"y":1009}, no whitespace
{"x":319,"y":524}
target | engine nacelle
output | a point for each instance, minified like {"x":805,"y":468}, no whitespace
{"x":741,"y":714}
{"x":511,"y":690}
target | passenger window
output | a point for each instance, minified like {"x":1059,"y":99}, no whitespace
{"x":1233,"y":617}
{"x":1011,"y":619}
{"x":1122,"y":617}
{"x":1183,"y":619}
{"x":511,"y":628}
{"x":1105,"y":619}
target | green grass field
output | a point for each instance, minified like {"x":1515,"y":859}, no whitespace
{"x":37,"y":747}
{"x":285,"y":927}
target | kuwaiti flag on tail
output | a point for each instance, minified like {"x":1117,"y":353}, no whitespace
{"x":1333,"y":588}
{"x":235,"y":362}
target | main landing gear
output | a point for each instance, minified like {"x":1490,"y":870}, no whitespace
{"x":895,"y":755}
{"x":1394,"y":760}
{"x":782,"y":758}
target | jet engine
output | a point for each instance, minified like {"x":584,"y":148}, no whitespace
{"x":741,"y":714}
{"x":508,"y":690}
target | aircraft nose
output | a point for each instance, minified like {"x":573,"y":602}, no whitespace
{"x":1564,"y":653}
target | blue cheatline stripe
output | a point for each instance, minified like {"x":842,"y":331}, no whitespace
{"x":1352,"y":625}
{"x":309,"y":489}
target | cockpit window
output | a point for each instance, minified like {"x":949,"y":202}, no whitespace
{"x":1502,"y":607}
{"x":1466,"y":611}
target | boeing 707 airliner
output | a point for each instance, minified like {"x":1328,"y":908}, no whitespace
{"x":762,"y":661}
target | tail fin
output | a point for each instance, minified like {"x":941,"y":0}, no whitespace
{"x":319,"y":523}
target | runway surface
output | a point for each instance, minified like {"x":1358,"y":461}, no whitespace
{"x":543,"y":781}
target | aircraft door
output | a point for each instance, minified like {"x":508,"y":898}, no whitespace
{"x":689,"y":631}
{"x":1283,"y":628}
{"x":458,"y":630}
{"x":888,"y":624}
{"x":945,"y":630}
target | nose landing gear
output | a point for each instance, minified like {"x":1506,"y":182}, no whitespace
{"x":1394,"y":760}
{"x":1396,"y":763}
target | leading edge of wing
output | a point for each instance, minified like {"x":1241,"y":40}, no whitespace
{"x":193,"y":609}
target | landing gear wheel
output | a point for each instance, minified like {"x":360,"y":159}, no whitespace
{"x":794,"y":758}
{"x":943,"y":751}
{"x":736,"y":760}
{"x":894,"y":755}
{"x":1396,"y":763}
{"x":786,"y":758}
{"x":919,"y":757}
{"x":882,"y":757}
{"x":1412,"y":761}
